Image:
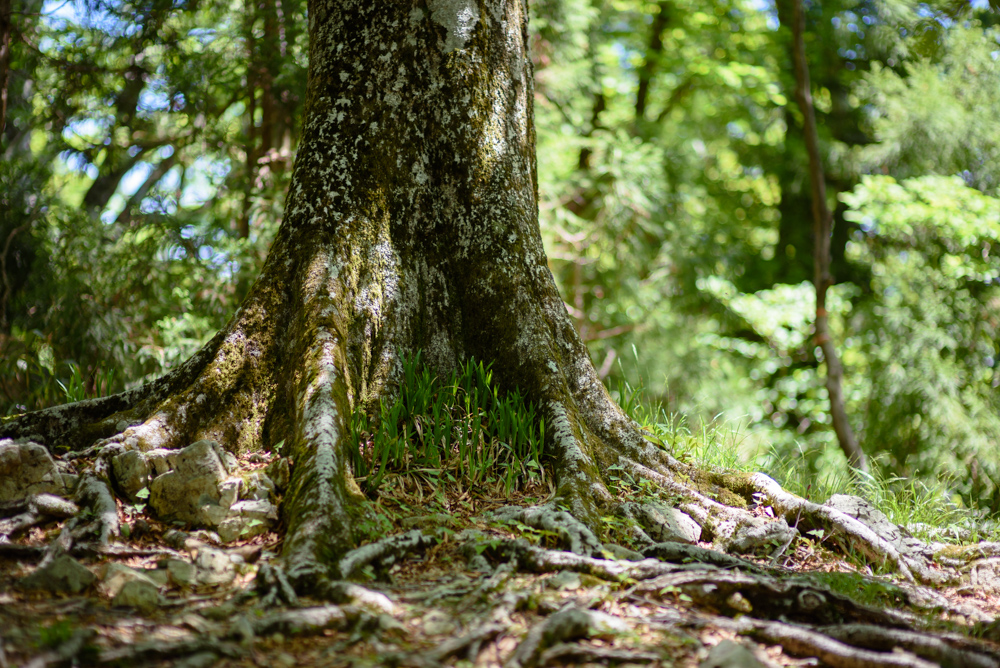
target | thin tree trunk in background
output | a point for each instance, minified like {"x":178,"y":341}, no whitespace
{"x":4,"y":59}
{"x":822,"y":226}
{"x":243,"y":224}
{"x":653,"y":53}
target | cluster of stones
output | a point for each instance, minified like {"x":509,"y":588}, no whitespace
{"x":198,"y":486}
{"x":136,"y":588}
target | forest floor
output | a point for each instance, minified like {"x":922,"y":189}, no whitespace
{"x":456,"y":605}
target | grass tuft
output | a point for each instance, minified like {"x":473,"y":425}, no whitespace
{"x":461,"y":429}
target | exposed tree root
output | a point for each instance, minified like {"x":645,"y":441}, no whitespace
{"x":33,"y":510}
{"x":577,"y":537}
{"x":948,"y":650}
{"x":681,"y":553}
{"x":570,"y":623}
{"x":383,"y":553}
{"x":799,"y":641}
{"x":469,"y":644}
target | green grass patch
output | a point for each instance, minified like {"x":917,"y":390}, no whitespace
{"x":928,"y":508}
{"x":460,"y":429}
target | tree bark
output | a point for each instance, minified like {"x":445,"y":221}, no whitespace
{"x":822,"y":225}
{"x":411,"y":223}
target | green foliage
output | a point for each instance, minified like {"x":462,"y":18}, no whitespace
{"x":462,"y":429}
{"x":927,"y":359}
{"x":55,"y":634}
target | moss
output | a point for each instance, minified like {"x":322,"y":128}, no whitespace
{"x":729,"y":488}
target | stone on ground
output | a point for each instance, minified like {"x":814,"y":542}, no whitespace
{"x":27,"y":468}
{"x":114,"y":577}
{"x":141,"y":594}
{"x":729,"y":654}
{"x":190,"y":492}
{"x":663,"y":523}
{"x":64,"y":574}
{"x":196,"y":485}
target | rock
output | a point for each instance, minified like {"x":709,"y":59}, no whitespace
{"x":279,"y":473}
{"x":229,"y":491}
{"x":142,"y":594}
{"x":190,"y":492}
{"x":27,"y":468}
{"x":160,"y":460}
{"x":157,"y":576}
{"x":770,"y":535}
{"x":131,"y":473}
{"x":729,"y":654}
{"x":235,"y":528}
{"x":258,"y":487}
{"x":664,"y":523}
{"x":257,"y":510}
{"x":62,"y":574}
{"x":181,"y":573}
{"x":115,"y":576}
{"x":214,"y":566}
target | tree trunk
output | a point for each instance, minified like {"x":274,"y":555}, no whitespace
{"x":4,"y":60}
{"x":822,"y":224}
{"x":411,"y":223}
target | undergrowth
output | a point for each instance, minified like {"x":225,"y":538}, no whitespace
{"x":927,"y":509}
{"x":461,"y":429}
{"x":464,"y":431}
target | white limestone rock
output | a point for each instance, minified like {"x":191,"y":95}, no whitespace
{"x":27,"y":468}
{"x":131,"y":473}
{"x":664,"y":523}
{"x":114,"y":577}
{"x":190,"y":492}
{"x":141,"y":594}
